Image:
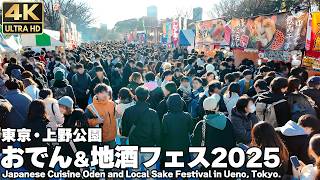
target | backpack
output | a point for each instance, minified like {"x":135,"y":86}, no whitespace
{"x":266,"y":112}
{"x":59,"y":92}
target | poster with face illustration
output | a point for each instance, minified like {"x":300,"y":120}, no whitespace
{"x":212,"y":32}
{"x":283,"y":32}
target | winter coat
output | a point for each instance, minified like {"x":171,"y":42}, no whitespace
{"x":218,"y":132}
{"x":54,"y":115}
{"x":12,"y":67}
{"x":20,"y":101}
{"x":127,"y":71}
{"x":32,"y":91}
{"x":62,"y":88}
{"x":76,"y":119}
{"x":230,"y":102}
{"x":80,"y":84}
{"x":133,"y":86}
{"x":162,"y":108}
{"x":146,"y":123}
{"x":242,"y":125}
{"x":300,"y":104}
{"x":106,"y":110}
{"x":3,"y":88}
{"x":96,"y":81}
{"x":313,"y":93}
{"x":156,"y":95}
{"x":12,"y":118}
{"x":282,"y":110}
{"x":296,"y":140}
{"x":242,"y":84}
{"x":176,"y":125}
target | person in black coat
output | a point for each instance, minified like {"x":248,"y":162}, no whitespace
{"x":13,"y":64}
{"x":279,"y":86}
{"x":156,"y":93}
{"x":312,"y":89}
{"x":162,"y":108}
{"x":127,"y":71}
{"x":81,"y":86}
{"x":176,"y":126}
{"x":140,"y":123}
{"x":99,"y":78}
{"x":116,"y":79}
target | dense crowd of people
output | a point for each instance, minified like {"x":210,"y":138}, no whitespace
{"x":149,"y":95}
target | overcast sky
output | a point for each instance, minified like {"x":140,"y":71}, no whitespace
{"x":111,"y":11}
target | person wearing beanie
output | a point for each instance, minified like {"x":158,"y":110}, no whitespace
{"x":73,"y":117}
{"x":312,"y":89}
{"x":217,"y":127}
{"x":100,"y":77}
{"x":61,"y":86}
{"x":162,"y":108}
{"x":246,"y":82}
{"x":177,"y":127}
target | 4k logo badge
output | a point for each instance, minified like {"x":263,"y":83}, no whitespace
{"x":22,"y":17}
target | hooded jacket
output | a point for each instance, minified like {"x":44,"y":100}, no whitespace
{"x":282,"y":110}
{"x":62,"y":88}
{"x":313,"y":93}
{"x":296,"y":140}
{"x":218,"y":133}
{"x":242,"y":125}
{"x":176,"y":125}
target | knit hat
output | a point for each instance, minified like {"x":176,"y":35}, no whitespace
{"x":66,"y":101}
{"x":314,"y":80}
{"x":210,"y":68}
{"x":59,"y":75}
{"x":211,"y":103}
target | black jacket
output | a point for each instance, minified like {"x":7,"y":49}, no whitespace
{"x":176,"y":126}
{"x":162,"y":108}
{"x":313,"y":93}
{"x":156,"y":96}
{"x":282,"y":110}
{"x":147,"y":125}
{"x":242,"y":125}
{"x":96,"y":81}
{"x":80,"y":84}
{"x":62,"y":88}
{"x":12,"y":67}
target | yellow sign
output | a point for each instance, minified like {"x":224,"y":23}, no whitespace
{"x":22,"y":17}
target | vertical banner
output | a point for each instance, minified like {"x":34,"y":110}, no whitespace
{"x":169,"y":33}
{"x":315,"y":32}
{"x":175,"y":32}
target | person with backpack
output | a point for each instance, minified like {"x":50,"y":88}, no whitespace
{"x":54,"y":115}
{"x":13,"y":67}
{"x":101,"y":113}
{"x":215,"y":130}
{"x":299,"y":103}
{"x":81,"y":86}
{"x":272,"y":106}
{"x":61,"y":86}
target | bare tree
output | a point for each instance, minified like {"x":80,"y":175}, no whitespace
{"x":77,"y":12}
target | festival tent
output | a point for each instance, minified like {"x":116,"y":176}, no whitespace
{"x":48,"y":38}
{"x":186,"y":37}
